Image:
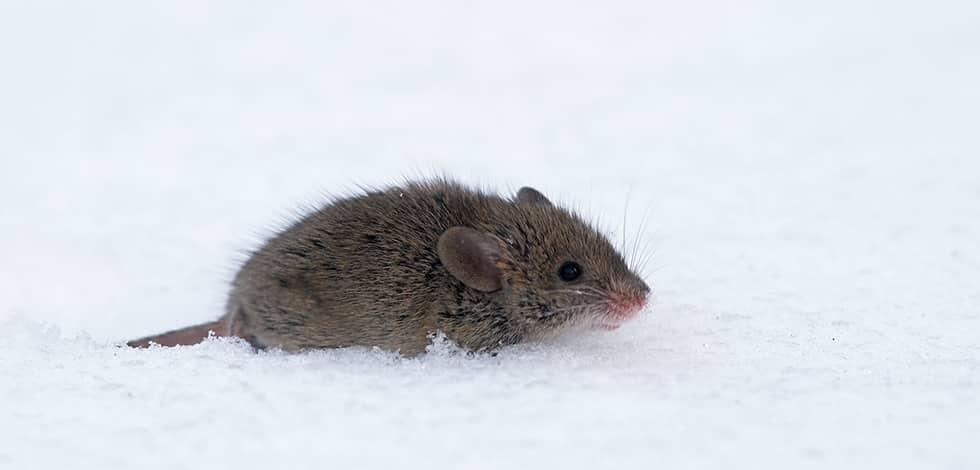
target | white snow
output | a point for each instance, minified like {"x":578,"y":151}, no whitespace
{"x":809,"y":175}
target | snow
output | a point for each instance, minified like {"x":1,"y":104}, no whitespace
{"x":808,"y":175}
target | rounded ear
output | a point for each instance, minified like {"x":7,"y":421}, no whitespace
{"x":529,"y":195}
{"x":473,"y":257}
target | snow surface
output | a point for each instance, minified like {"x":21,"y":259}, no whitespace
{"x":808,"y":172}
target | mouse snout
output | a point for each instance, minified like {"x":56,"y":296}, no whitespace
{"x":626,"y":305}
{"x":636,"y":303}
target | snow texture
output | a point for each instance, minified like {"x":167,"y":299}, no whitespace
{"x":808,"y":174}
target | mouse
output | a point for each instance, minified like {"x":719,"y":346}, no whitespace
{"x":392,"y":267}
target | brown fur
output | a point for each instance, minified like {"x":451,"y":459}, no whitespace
{"x":367,"y":270}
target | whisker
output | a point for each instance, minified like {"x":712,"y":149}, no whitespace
{"x":650,"y":252}
{"x":626,"y":208}
{"x":573,"y":291}
{"x":593,"y":295}
{"x":645,"y":260}
{"x":587,"y":308}
{"x":580,"y":289}
{"x":644,"y":219}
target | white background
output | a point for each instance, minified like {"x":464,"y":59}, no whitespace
{"x":808,"y":176}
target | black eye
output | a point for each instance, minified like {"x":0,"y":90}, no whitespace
{"x":570,"y":271}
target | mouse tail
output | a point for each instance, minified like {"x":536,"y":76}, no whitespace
{"x":184,"y":336}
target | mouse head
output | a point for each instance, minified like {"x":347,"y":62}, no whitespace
{"x":547,"y":265}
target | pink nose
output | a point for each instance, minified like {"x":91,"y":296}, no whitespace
{"x":628,"y":306}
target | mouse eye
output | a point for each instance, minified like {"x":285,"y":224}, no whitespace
{"x":570,"y":271}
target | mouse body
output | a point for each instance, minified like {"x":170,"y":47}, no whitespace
{"x":390,"y":268}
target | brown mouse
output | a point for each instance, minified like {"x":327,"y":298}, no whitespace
{"x":390,"y":268}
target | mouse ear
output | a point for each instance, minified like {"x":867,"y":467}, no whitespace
{"x":473,"y":257}
{"x":529,"y":195}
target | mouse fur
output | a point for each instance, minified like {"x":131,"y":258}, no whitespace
{"x":389,"y":268}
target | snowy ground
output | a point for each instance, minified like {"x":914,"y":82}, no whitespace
{"x":811,"y":176}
